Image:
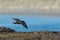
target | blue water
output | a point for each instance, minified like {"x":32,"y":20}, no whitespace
{"x":35,"y":23}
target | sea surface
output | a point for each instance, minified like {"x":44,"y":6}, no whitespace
{"x":35,"y":23}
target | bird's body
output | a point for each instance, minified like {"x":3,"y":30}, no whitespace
{"x":20,"y":22}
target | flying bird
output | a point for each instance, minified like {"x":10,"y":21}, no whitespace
{"x":18,"y":21}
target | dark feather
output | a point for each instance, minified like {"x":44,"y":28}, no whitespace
{"x":16,"y":19}
{"x":24,"y":24}
{"x":20,"y":22}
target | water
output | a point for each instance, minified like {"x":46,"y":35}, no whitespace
{"x":35,"y":23}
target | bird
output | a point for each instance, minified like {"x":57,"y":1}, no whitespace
{"x":18,"y":21}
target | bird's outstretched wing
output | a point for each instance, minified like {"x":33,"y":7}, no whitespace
{"x":24,"y":24}
{"x":16,"y":19}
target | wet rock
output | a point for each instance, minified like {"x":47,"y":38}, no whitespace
{"x":4,"y":29}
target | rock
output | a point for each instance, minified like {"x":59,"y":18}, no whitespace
{"x":4,"y":29}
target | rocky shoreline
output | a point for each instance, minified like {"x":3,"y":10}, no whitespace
{"x":30,"y":36}
{"x":10,"y":34}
